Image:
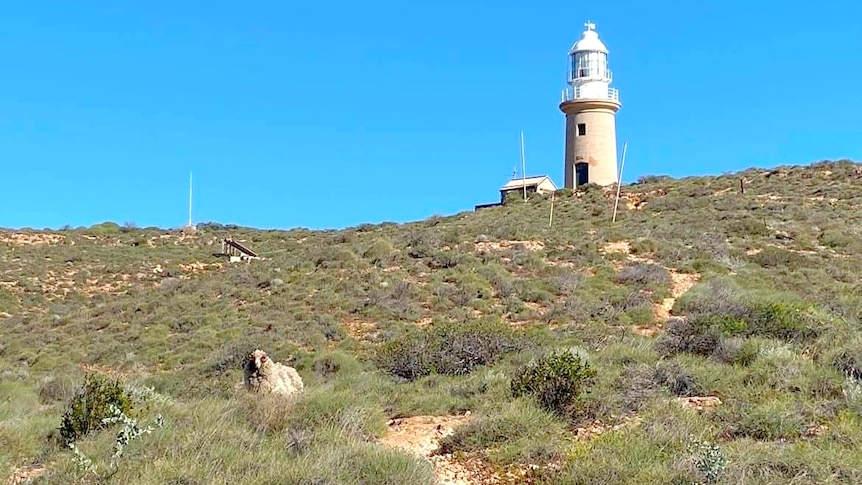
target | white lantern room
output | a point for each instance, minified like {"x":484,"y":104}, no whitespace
{"x":589,"y":76}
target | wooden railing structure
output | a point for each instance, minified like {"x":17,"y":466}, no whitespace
{"x":231,"y":247}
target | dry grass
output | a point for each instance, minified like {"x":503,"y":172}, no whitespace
{"x":760,"y":355}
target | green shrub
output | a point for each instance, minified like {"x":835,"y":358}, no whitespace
{"x":644,"y":274}
{"x":105,"y":228}
{"x":555,"y":380}
{"x":59,"y":388}
{"x":772,"y":420}
{"x":784,"y":320}
{"x":451,"y":348}
{"x":392,"y":300}
{"x":676,"y":379}
{"x":444,"y":260}
{"x":709,"y":459}
{"x":422,"y":243}
{"x":699,"y":336}
{"x":837,"y":238}
{"x":335,"y":362}
{"x":379,"y":253}
{"x":748,"y":227}
{"x":519,"y":432}
{"x":90,"y":405}
{"x":719,"y":307}
{"x":533,"y":290}
{"x":848,"y":358}
{"x":643,"y":245}
{"x":773,"y":257}
{"x":736,"y":350}
{"x":8,"y":301}
{"x":653,"y":179}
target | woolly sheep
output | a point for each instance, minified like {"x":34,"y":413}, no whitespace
{"x":261,"y":374}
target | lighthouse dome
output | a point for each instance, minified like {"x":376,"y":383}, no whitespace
{"x":589,"y":41}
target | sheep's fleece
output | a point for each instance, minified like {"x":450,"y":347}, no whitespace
{"x":263,"y":375}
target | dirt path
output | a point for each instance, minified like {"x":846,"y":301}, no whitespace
{"x":421,"y":435}
{"x":680,"y":284}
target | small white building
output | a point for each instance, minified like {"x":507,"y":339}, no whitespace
{"x":541,"y":184}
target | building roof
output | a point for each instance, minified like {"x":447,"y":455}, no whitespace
{"x":589,"y":41}
{"x":519,"y":183}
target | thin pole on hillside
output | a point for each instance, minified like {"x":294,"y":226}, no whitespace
{"x":523,"y":167}
{"x":620,"y":181}
{"x":551,"y":217}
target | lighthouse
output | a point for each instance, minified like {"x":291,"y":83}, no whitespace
{"x":590,"y":105}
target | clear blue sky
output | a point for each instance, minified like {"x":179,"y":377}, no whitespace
{"x":331,"y":114}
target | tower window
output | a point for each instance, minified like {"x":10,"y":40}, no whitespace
{"x":582,"y":129}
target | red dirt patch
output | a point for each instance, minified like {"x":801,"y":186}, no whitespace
{"x":26,"y":474}
{"x":489,"y":246}
{"x":699,"y":403}
{"x":362,"y":330}
{"x":421,"y":435}
{"x":646,"y":330}
{"x":598,"y":428}
{"x":198,"y":267}
{"x":27,"y":239}
{"x":624,"y":247}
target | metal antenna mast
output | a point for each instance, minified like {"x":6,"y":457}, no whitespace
{"x":620,"y":181}
{"x":523,"y":167}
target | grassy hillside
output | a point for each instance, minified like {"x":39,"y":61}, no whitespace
{"x":575,"y":353}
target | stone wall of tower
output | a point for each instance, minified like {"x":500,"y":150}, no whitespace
{"x":598,"y":147}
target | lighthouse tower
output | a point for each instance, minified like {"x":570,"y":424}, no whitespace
{"x":590,"y":105}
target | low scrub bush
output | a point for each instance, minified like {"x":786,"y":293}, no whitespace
{"x":393,"y":300}
{"x":422,"y":243}
{"x":444,"y":260}
{"x":380,"y":253}
{"x":93,"y":403}
{"x":520,"y":432}
{"x":451,"y":348}
{"x":786,"y":321}
{"x":772,"y":420}
{"x":837,"y":238}
{"x":8,"y":301}
{"x":719,"y":308}
{"x":533,"y":291}
{"x":332,"y":363}
{"x":555,"y":380}
{"x":708,"y":458}
{"x":748,"y":227}
{"x":696,"y":336}
{"x":644,"y":274}
{"x":851,"y":389}
{"x":848,"y":358}
{"x":776,"y":257}
{"x":129,"y":431}
{"x":737,"y":350}
{"x":58,"y":388}
{"x":676,"y":379}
